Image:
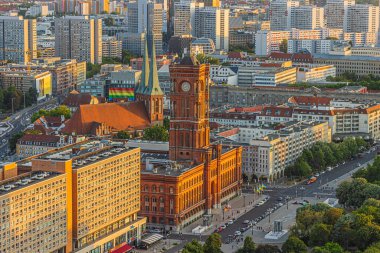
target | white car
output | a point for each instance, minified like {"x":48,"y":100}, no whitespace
{"x":230,"y":222}
{"x":237,"y":233}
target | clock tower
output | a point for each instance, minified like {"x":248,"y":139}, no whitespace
{"x":189,"y":120}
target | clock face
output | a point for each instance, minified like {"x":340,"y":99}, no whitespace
{"x":185,"y":86}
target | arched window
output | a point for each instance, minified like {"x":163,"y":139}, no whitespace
{"x":154,"y":188}
{"x":146,"y":188}
{"x":171,"y":190}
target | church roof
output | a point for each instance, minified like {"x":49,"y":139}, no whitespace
{"x":153,"y":87}
{"x":118,"y":116}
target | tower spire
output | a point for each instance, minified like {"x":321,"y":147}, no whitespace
{"x":145,"y":71}
{"x":153,"y":87}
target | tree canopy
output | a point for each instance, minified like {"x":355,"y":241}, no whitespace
{"x":321,"y":155}
{"x":156,"y":133}
{"x":56,"y":112}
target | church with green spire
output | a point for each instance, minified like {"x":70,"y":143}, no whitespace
{"x":149,"y":91}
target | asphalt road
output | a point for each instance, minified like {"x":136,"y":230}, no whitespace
{"x":19,"y":121}
{"x":300,"y":190}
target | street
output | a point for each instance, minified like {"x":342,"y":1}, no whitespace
{"x":18,"y":122}
{"x":301,"y":190}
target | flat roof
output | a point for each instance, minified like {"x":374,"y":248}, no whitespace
{"x":86,"y":153}
{"x":346,"y":57}
{"x":24,"y":180}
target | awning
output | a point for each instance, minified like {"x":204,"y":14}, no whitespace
{"x":124,"y":248}
{"x":152,"y":239}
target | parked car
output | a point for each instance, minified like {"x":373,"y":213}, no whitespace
{"x":230,"y":222}
{"x":237,"y":233}
{"x":246,"y":222}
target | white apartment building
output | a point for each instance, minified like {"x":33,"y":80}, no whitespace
{"x":315,"y":73}
{"x":18,"y":39}
{"x":366,"y":51}
{"x":224,"y":74}
{"x":281,"y":14}
{"x":185,"y":17}
{"x":214,"y":24}
{"x":336,"y":13}
{"x":268,"y":154}
{"x":79,"y":37}
{"x":363,"y":18}
{"x":38,"y":10}
{"x":111,"y":47}
{"x":269,"y":41}
{"x":308,"y":17}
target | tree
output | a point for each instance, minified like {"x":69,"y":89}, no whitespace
{"x":57,"y":112}
{"x":166,"y":123}
{"x":109,"y":21}
{"x":202,"y":58}
{"x":319,"y":234}
{"x":92,"y":69}
{"x":193,"y":247}
{"x":353,"y":194}
{"x":213,"y":244}
{"x":294,"y":245}
{"x":248,"y":247}
{"x":125,"y":135}
{"x":13,"y":140}
{"x":284,"y":46}
{"x":156,"y":133}
{"x":330,"y":247}
{"x":266,"y":248}
{"x":374,"y":248}
{"x":127,"y":56}
{"x":332,"y":215}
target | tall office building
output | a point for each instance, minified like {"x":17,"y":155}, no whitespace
{"x":79,"y":37}
{"x":363,"y":18}
{"x":185,"y":13}
{"x":82,"y":198}
{"x":336,"y":13}
{"x":18,"y":39}
{"x":307,"y":17}
{"x":281,"y":14}
{"x":214,"y":24}
{"x":146,"y":17}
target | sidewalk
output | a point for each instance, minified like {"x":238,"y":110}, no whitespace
{"x":239,"y":205}
{"x":286,"y":214}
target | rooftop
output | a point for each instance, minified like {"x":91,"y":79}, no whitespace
{"x":24,"y":180}
{"x":346,"y":57}
{"x":85,"y":153}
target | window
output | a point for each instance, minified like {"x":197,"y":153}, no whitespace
{"x":171,"y":190}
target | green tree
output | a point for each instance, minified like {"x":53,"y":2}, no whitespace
{"x":202,"y":58}
{"x":125,"y":135}
{"x":92,"y":69}
{"x":266,"y":248}
{"x":248,"y":247}
{"x":284,"y":46}
{"x":57,"y":112}
{"x":353,"y":194}
{"x":156,"y":133}
{"x":166,"y":123}
{"x":294,"y":245}
{"x":332,"y":215}
{"x":319,"y":234}
{"x":193,"y":247}
{"x":213,"y":244}
{"x":374,"y":248}
{"x":127,"y":56}
{"x":329,"y":247}
{"x":109,"y":21}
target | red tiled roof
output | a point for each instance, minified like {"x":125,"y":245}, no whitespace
{"x":310,"y":100}
{"x":235,"y":55}
{"x":246,"y":109}
{"x":230,"y":132}
{"x":118,"y":116}
{"x":75,"y":99}
{"x":280,"y":55}
{"x":277,"y":111}
{"x":39,"y":138}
